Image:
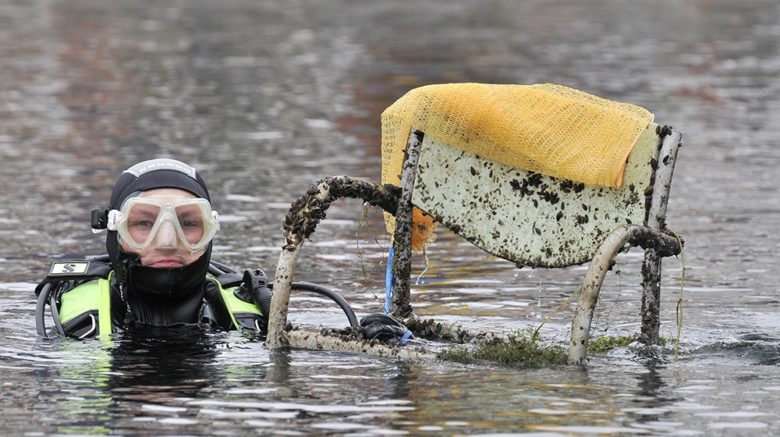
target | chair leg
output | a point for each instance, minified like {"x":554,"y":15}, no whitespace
{"x":657,"y":243}
{"x":656,"y":219}
{"x":589,"y":293}
{"x":300,"y":222}
{"x":402,"y":238}
{"x":651,"y":298}
{"x":280,"y":301}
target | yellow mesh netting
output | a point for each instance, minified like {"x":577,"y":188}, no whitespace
{"x":546,"y":128}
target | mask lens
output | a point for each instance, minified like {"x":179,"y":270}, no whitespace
{"x":192,"y":222}
{"x":141,"y":218}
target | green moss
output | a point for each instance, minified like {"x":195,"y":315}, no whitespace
{"x":457,"y":354}
{"x":605,"y":344}
{"x":521,"y":349}
{"x":602,"y":345}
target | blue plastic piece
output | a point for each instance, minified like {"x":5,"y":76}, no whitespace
{"x":389,"y":280}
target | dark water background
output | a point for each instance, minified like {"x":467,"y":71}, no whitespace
{"x":265,"y":97}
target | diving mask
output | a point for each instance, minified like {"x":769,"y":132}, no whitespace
{"x":141,"y":221}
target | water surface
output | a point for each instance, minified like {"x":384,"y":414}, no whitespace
{"x":265,"y":98}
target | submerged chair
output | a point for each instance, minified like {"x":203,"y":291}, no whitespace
{"x":525,"y":217}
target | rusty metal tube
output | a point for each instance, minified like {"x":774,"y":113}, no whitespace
{"x":402,"y":237}
{"x":615,"y":242}
{"x":656,"y":219}
{"x":300,"y":222}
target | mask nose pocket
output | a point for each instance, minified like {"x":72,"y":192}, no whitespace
{"x":166,"y":237}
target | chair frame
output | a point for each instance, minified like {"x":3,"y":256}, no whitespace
{"x":652,"y":236}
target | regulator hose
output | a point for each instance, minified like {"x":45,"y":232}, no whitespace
{"x":217,"y":268}
{"x":264,"y":300}
{"x":47,"y":297}
{"x":40,"y":310}
{"x":325,"y":291}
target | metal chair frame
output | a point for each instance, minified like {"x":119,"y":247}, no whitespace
{"x":632,"y":216}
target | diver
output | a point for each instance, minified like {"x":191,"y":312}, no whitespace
{"x":158,"y":270}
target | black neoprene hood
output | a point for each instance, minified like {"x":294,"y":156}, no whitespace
{"x":157,"y":173}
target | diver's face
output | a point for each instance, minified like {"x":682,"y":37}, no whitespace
{"x":166,"y":249}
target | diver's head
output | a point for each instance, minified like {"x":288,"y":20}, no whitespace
{"x":159,"y":217}
{"x":165,"y":227}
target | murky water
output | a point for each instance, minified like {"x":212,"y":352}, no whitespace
{"x":266,"y":97}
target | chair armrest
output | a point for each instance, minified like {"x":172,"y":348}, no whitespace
{"x":665,"y":243}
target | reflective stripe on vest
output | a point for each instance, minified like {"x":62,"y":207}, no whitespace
{"x":91,"y":296}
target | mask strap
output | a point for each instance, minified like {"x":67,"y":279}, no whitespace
{"x":99,"y":220}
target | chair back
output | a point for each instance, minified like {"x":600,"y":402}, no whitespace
{"x":528,"y":218}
